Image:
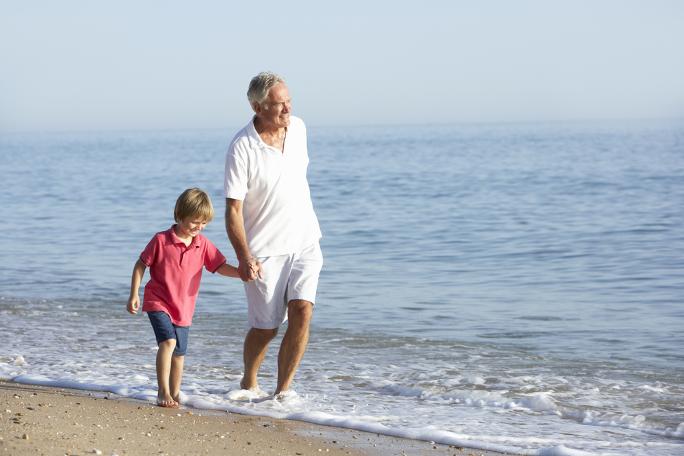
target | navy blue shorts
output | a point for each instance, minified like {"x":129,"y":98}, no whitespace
{"x":165,"y":330}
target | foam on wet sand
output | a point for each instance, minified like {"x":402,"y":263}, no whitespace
{"x":41,"y":420}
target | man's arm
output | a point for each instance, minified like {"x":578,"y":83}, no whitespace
{"x":248,"y":266}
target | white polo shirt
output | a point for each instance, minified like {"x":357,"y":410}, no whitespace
{"x":277,"y":209}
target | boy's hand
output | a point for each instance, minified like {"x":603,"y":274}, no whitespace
{"x":256,"y":269}
{"x":133,"y":305}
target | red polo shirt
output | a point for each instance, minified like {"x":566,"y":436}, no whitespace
{"x":175,"y":273}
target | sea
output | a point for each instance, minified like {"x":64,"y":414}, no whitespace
{"x":507,"y":287}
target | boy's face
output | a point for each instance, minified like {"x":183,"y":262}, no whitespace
{"x":191,"y":227}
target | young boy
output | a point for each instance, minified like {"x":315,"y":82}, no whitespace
{"x":176,"y":258}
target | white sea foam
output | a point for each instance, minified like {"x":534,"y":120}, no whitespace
{"x":246,"y":395}
{"x":485,"y":403}
{"x":679,"y":432}
{"x":540,"y":402}
{"x":297,"y":407}
{"x":561,"y":451}
{"x":654,"y":389}
{"x":19,"y":361}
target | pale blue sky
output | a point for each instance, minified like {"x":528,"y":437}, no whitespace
{"x":80,"y":65}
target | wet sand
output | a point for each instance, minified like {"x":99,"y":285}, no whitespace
{"x":54,"y":421}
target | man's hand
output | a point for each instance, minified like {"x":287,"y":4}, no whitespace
{"x":250,"y":270}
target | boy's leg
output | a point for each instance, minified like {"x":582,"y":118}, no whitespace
{"x":164,"y":354}
{"x":176,"y":376}
{"x":165,"y":334}
{"x":177,"y":361}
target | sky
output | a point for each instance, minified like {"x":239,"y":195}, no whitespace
{"x":92,"y":65}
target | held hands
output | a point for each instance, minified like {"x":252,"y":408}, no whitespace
{"x":250,"y":270}
{"x":133,"y":304}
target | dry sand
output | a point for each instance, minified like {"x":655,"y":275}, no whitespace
{"x":53,"y":421}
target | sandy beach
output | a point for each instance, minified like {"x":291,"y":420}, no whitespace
{"x":54,"y":421}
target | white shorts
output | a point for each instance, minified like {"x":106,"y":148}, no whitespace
{"x":284,"y":278}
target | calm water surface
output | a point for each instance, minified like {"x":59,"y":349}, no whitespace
{"x":514,"y":287}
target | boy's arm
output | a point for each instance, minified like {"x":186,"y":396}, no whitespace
{"x":228,"y":270}
{"x":136,"y":278}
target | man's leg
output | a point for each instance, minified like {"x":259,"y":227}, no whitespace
{"x":256,"y":344}
{"x":294,"y":342}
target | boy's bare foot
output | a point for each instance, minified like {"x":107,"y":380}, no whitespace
{"x":166,"y":402}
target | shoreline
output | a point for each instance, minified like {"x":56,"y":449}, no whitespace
{"x":47,"y":420}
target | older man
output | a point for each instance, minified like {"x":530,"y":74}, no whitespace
{"x":273,"y":228}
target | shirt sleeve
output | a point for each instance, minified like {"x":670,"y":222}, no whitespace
{"x":213,"y":258}
{"x":149,"y":254}
{"x":236,"y":173}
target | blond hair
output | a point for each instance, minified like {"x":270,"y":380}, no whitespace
{"x":193,"y":203}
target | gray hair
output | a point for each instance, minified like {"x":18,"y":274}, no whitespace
{"x":260,"y":85}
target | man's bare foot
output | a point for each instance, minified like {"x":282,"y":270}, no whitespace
{"x":244,"y":386}
{"x":286,"y":395}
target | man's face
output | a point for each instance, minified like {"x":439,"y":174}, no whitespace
{"x":275,"y":110}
